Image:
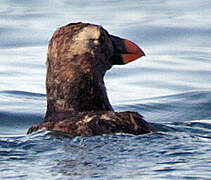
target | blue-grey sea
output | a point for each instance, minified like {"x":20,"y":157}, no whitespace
{"x":170,"y":87}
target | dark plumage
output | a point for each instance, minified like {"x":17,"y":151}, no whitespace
{"x":79,"y":54}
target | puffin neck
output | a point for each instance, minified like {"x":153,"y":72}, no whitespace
{"x":76,"y":90}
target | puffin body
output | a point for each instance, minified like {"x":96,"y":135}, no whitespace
{"x":79,"y":54}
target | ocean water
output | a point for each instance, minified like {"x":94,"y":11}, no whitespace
{"x":170,"y":87}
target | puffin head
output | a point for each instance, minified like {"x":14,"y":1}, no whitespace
{"x":76,"y":41}
{"x":79,"y":54}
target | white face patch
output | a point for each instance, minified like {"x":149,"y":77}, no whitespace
{"x":82,"y":39}
{"x":89,"y":32}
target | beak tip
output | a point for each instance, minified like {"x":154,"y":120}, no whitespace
{"x":141,"y":52}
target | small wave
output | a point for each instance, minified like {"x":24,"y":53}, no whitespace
{"x":19,"y":110}
{"x":188,"y":106}
{"x":21,"y":93}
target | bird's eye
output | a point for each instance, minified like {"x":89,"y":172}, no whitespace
{"x":102,"y":39}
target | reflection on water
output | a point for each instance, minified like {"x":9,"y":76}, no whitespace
{"x":170,"y":87}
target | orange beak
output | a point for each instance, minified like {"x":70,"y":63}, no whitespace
{"x":125,"y":51}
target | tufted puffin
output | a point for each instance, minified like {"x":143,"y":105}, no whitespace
{"x":79,"y":54}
